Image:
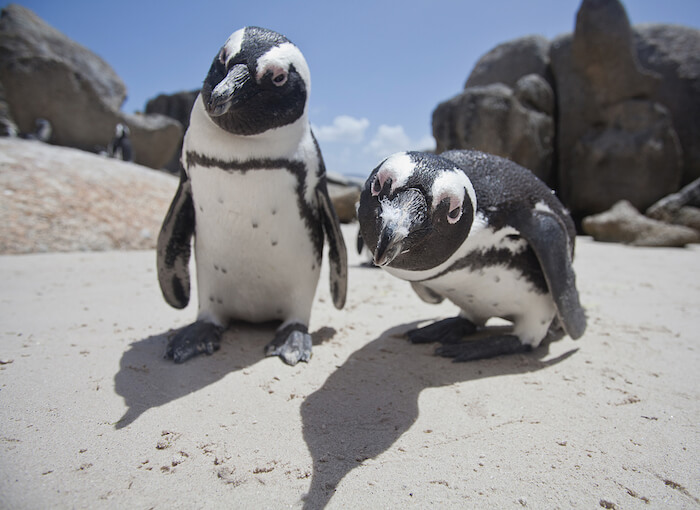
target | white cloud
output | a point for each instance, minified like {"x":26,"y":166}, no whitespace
{"x":345,"y":129}
{"x":346,"y":151}
{"x":391,"y":139}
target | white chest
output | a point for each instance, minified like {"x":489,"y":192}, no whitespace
{"x":254,"y":254}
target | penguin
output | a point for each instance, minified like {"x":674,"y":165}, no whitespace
{"x":42,"y":131}
{"x":120,"y":146}
{"x":253,"y":194}
{"x":482,"y":232}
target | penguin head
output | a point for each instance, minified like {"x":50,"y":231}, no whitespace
{"x":415,"y":210}
{"x":258,"y":81}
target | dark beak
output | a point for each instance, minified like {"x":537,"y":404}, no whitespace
{"x":224,"y":94}
{"x":389,"y":245}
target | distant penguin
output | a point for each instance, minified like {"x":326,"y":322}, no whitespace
{"x":42,"y":131}
{"x":486,"y":234}
{"x":253,"y":193}
{"x":120,"y":146}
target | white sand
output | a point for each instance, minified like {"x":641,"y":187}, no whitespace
{"x":92,"y":416}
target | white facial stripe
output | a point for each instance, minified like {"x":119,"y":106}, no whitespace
{"x":233,"y":44}
{"x":541,"y":206}
{"x":397,"y":167}
{"x":453,"y":183}
{"x":282,"y":57}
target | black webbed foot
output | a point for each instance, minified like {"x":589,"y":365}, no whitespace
{"x":198,"y":337}
{"x":292,"y":343}
{"x":483,"y":348}
{"x":447,"y":331}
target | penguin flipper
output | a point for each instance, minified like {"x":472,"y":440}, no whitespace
{"x":174,"y":246}
{"x":426,"y":294}
{"x":549,"y":239}
{"x":337,"y":253}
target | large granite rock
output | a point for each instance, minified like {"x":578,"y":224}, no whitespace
{"x":615,"y":141}
{"x":623,"y":223}
{"x":47,"y":75}
{"x":681,"y":208}
{"x":510,"y":61}
{"x":177,"y":106}
{"x":673,"y":52}
{"x":516,"y":123}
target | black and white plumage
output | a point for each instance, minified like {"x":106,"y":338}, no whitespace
{"x":120,"y":147}
{"x":253,"y":193}
{"x":484,"y":233}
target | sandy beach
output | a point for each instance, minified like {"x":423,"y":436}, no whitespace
{"x":93,"y":416}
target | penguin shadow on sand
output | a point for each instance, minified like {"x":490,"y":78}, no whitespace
{"x":146,"y":379}
{"x":368,"y":403}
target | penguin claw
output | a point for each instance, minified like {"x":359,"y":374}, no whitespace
{"x":483,"y":348}
{"x":291,"y":343}
{"x":199,"y":337}
{"x":446,"y":331}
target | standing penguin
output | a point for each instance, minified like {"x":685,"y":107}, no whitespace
{"x":484,"y":233}
{"x":120,"y":147}
{"x":253,"y":193}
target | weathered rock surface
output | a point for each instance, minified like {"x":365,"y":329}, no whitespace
{"x":682,"y":208}
{"x":614,"y":141}
{"x":623,"y":223}
{"x":63,"y":199}
{"x":627,"y":116}
{"x":513,"y":123}
{"x":510,"y":61}
{"x":177,"y":106}
{"x":673,"y":52}
{"x":47,"y":75}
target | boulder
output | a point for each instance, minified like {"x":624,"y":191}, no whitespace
{"x":513,"y":123}
{"x":344,"y":193}
{"x":47,"y":75}
{"x":615,"y":141}
{"x":623,"y":223}
{"x":8,"y":127}
{"x":177,"y":106}
{"x":673,"y":52}
{"x":681,"y":208}
{"x":510,"y":61}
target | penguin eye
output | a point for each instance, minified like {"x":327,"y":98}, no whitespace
{"x":279,"y":75}
{"x":454,"y":208}
{"x":378,"y":184}
{"x":454,"y":215}
{"x":280,"y":78}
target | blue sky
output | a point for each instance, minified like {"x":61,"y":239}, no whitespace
{"x":378,"y":67}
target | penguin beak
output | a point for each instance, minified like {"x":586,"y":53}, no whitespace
{"x":389,"y":245}
{"x":399,"y":218}
{"x":223,"y":95}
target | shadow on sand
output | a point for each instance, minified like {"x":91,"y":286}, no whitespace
{"x":366,"y":405}
{"x":146,"y":379}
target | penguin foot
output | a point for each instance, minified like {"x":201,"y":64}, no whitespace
{"x":198,"y":337}
{"x":292,"y":343}
{"x":483,"y":348}
{"x":446,"y":331}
